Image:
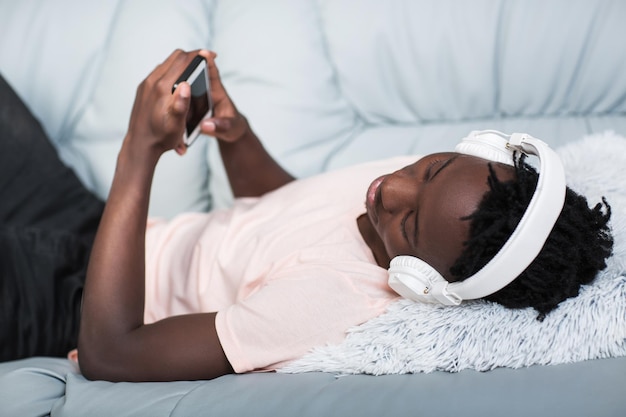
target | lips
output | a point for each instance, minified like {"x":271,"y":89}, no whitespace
{"x":371,"y":198}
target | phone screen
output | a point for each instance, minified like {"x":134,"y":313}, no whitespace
{"x":199,"y":105}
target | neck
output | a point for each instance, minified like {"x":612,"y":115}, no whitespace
{"x":372,"y":239}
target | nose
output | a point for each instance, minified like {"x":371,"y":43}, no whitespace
{"x":399,"y":192}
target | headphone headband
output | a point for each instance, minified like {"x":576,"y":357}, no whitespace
{"x":523,"y":245}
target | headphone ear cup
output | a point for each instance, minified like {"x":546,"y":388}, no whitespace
{"x":411,"y":263}
{"x":413,"y":278}
{"x":487,"y":145}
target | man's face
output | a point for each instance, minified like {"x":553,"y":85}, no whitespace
{"x":418,"y":210}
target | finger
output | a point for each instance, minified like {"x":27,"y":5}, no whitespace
{"x":73,"y":355}
{"x":215,"y":125}
{"x":223,"y":128}
{"x":181,"y":99}
{"x":166,"y":74}
{"x":207,"y":127}
{"x":166,"y":66}
{"x":206,"y":53}
{"x":181,"y":149}
{"x":179,"y":105}
{"x":217,"y":89}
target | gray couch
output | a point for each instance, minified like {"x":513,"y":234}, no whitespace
{"x":39,"y":386}
{"x":325,"y":83}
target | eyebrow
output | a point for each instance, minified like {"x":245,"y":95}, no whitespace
{"x":444,"y":165}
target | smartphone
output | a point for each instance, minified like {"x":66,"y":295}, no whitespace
{"x":196,"y":74}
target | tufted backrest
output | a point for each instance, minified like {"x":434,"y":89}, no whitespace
{"x":77,"y":65}
{"x":325,"y":83}
{"x":333,"y":82}
{"x":449,"y":61}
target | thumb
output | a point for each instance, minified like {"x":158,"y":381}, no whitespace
{"x":181,"y":99}
{"x":222,"y":128}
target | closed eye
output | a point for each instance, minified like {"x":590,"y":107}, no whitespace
{"x":429,"y":174}
{"x":429,"y":170}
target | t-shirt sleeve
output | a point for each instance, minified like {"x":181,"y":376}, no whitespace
{"x":297,"y":310}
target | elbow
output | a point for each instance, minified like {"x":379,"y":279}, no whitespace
{"x":91,"y":368}
{"x":100,"y":360}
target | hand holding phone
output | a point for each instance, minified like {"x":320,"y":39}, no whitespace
{"x":201,"y":105}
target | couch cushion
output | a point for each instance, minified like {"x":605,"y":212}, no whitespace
{"x":144,"y":33}
{"x":273,"y":60}
{"x":79,"y":71}
{"x":37,"y":386}
{"x":330,"y":83}
{"x":52,"y":58}
{"x":408,"y":62}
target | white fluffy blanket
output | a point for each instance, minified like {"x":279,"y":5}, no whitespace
{"x":412,"y":337}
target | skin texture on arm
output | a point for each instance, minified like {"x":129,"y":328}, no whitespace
{"x":251,"y":170}
{"x":114,"y":343}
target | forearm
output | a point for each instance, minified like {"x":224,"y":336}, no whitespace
{"x":115,"y":286}
{"x":250,"y":168}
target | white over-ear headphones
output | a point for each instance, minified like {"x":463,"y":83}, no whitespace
{"x":413,"y":278}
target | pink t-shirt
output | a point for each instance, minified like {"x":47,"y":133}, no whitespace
{"x":285,"y":272}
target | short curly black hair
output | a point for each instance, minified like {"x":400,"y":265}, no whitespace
{"x":576,"y":249}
